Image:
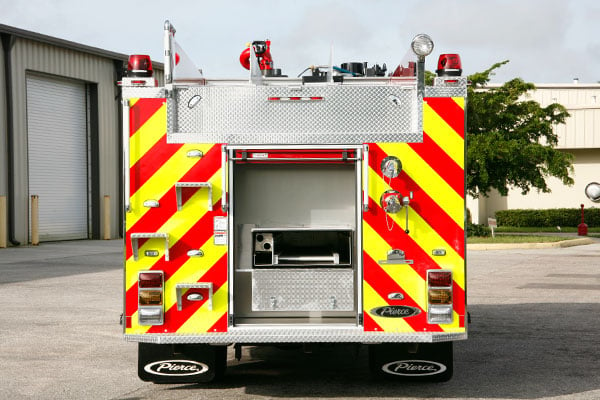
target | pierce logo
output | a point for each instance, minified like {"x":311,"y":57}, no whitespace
{"x":414,"y":368}
{"x":395,"y":311}
{"x":176,"y":368}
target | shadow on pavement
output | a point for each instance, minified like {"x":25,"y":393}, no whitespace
{"x":523,"y":351}
{"x":57,"y":259}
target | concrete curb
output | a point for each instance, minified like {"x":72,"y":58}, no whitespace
{"x":509,"y":246}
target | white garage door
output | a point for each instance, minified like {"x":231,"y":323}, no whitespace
{"x":57,"y":144}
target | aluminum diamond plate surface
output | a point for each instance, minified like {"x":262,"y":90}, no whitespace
{"x":303,"y":290}
{"x":340,"y":114}
{"x":278,"y":334}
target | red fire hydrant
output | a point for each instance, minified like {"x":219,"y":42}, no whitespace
{"x":582,"y":227}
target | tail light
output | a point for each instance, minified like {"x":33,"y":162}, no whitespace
{"x":151,"y":297}
{"x":139,"y":65}
{"x":449,"y":65}
{"x":439,"y":278}
{"x":439,"y":297}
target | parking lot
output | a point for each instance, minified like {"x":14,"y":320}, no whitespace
{"x":534,"y":334}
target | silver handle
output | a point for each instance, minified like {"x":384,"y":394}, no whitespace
{"x":334,"y":258}
{"x":224,"y":178}
{"x":168,"y":65}
{"x":126,"y":172}
{"x":260,"y":159}
{"x":366,"y":177}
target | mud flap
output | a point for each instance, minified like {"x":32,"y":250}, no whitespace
{"x":191,"y":363}
{"x":426,"y":362}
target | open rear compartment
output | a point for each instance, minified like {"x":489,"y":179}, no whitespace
{"x":295,"y":229}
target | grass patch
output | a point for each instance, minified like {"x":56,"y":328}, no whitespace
{"x":567,"y":229}
{"x":517,"y":239}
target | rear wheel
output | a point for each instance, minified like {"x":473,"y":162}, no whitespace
{"x":427,"y":362}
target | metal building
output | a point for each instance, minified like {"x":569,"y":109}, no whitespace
{"x":59,"y":137}
{"x":579,"y":136}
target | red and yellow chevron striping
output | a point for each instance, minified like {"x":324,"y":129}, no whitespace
{"x":434,"y":172}
{"x":155,"y":169}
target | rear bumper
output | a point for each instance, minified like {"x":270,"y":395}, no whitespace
{"x":286,"y":334}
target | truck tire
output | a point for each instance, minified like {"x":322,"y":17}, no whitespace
{"x":191,"y":363}
{"x":422,"y":362}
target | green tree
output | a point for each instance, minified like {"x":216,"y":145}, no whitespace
{"x":510,"y":139}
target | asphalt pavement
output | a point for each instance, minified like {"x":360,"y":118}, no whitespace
{"x":534,"y":334}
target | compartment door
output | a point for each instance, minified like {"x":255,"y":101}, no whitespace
{"x":430,"y":176}
{"x":175,"y":208}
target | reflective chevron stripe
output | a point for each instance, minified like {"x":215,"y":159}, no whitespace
{"x":155,"y":168}
{"x":433,"y":171}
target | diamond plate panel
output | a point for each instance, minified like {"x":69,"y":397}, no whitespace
{"x":316,"y":138}
{"x":303,"y":290}
{"x":319,"y":334}
{"x":244,"y":114}
{"x":457,"y":87}
{"x":131,"y":92}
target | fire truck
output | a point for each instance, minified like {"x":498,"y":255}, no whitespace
{"x":327,"y":208}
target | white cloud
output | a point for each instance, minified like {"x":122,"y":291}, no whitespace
{"x":545,"y":40}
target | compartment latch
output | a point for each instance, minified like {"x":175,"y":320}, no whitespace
{"x":396,"y":256}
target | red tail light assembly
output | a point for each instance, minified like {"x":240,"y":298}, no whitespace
{"x":449,"y":65}
{"x":438,"y":278}
{"x":439,"y":297}
{"x":150,"y":297}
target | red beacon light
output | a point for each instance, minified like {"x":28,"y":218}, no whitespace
{"x":139,"y":65}
{"x":449,"y":65}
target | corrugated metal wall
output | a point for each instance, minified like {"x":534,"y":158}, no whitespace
{"x":31,"y":56}
{"x":3,"y":183}
{"x":583,"y":103}
{"x":580,"y":136}
{"x":98,"y":70}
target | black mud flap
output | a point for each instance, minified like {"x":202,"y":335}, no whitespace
{"x":190,"y":363}
{"x":425,"y":362}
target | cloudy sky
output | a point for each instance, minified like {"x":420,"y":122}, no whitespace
{"x":546,"y":41}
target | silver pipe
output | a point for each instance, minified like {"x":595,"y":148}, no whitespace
{"x":126,"y":173}
{"x":366,"y":177}
{"x":168,"y":36}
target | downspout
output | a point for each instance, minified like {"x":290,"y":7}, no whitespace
{"x":7,"y":43}
{"x":118,"y":65}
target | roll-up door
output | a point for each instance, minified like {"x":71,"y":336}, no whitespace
{"x":57,"y":156}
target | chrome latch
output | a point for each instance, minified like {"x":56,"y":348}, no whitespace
{"x":396,"y":256}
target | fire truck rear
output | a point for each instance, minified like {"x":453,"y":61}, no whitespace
{"x":274,"y":210}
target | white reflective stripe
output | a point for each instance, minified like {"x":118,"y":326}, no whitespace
{"x":313,"y":98}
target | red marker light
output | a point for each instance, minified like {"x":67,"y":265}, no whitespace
{"x":449,"y":65}
{"x":139,"y":65}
